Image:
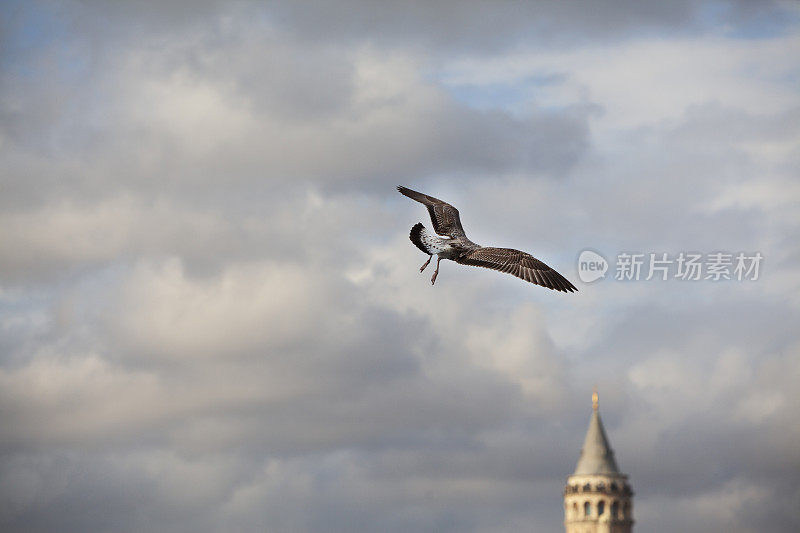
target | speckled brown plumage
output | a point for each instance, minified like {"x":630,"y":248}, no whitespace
{"x":451,"y":242}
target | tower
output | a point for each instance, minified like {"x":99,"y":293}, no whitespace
{"x":597,"y":498}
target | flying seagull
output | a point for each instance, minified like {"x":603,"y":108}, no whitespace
{"x":450,"y":242}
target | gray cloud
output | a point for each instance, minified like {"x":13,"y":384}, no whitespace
{"x":454,"y":27}
{"x":252,"y":107}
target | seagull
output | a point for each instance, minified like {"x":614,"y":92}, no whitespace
{"x":450,"y":242}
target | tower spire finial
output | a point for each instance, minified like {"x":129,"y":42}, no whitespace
{"x":595,"y":398}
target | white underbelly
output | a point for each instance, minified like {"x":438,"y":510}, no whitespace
{"x":435,"y":244}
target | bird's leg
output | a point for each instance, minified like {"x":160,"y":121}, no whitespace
{"x":426,"y":263}
{"x":436,"y":272}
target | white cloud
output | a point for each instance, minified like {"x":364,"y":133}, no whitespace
{"x":646,"y":81}
{"x":68,"y":235}
{"x":246,"y":307}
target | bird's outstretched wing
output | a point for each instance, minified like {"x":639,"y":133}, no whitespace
{"x":519,"y":264}
{"x":444,"y":216}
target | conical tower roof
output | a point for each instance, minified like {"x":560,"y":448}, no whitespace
{"x":597,"y":457}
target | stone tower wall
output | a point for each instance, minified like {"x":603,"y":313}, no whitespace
{"x":608,"y":500}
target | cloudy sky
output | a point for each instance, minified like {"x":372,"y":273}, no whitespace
{"x":212,"y":319}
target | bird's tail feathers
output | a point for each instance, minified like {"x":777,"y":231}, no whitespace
{"x":416,"y":236}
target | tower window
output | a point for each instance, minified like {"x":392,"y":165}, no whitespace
{"x":587,"y":509}
{"x":601,"y":507}
{"x":587,"y":488}
{"x":615,"y":509}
